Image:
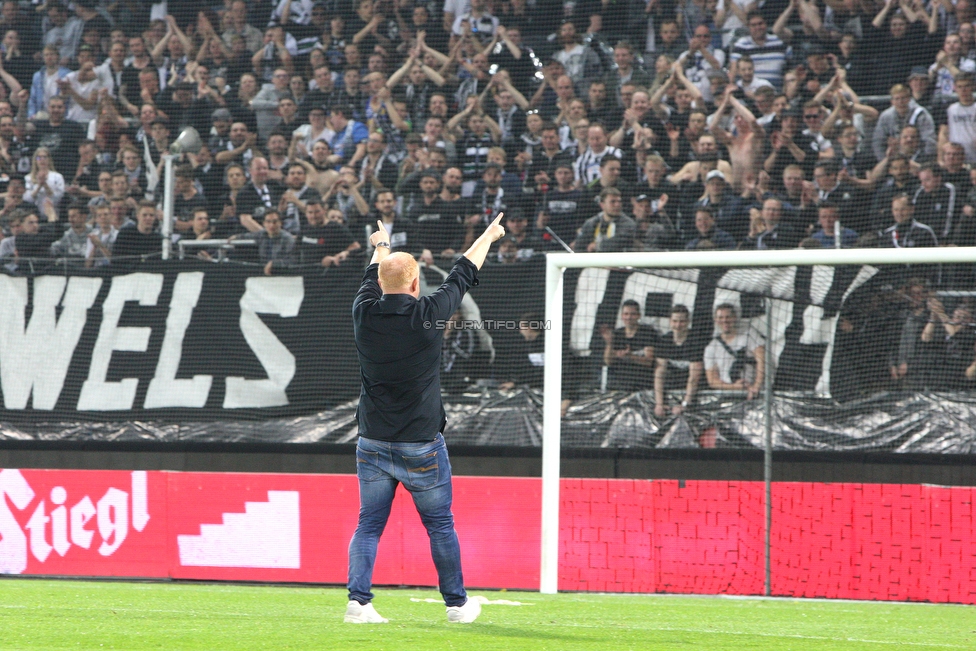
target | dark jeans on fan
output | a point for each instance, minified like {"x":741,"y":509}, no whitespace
{"x":425,"y":470}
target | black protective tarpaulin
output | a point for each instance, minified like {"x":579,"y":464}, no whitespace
{"x":910,"y":422}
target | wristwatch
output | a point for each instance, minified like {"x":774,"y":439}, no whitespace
{"x":379,"y":244}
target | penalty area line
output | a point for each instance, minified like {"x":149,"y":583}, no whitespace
{"x":484,"y":601}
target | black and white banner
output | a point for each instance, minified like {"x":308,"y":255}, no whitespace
{"x":175,"y":340}
{"x":805,"y":302}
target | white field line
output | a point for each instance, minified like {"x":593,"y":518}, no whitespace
{"x":484,"y":601}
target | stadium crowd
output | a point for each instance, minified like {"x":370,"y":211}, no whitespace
{"x":605,"y":125}
{"x":599,"y":126}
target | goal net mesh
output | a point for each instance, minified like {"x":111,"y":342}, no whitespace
{"x":861,"y":357}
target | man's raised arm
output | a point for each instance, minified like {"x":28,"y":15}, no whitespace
{"x":479,"y":248}
{"x":370,"y":289}
{"x":380,"y":240}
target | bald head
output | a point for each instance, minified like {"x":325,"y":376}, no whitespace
{"x":399,"y":274}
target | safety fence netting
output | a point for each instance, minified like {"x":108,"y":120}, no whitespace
{"x":859,"y":357}
{"x":621,"y":125}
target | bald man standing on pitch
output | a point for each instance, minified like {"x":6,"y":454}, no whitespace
{"x":401,"y":418}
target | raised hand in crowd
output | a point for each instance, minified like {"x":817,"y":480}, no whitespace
{"x":674,"y":133}
{"x":757,"y":226}
{"x":762,"y":183}
{"x":473,"y":104}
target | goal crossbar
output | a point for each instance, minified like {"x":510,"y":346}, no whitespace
{"x":556,"y":263}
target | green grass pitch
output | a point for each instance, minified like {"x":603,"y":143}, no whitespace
{"x":41,"y":614}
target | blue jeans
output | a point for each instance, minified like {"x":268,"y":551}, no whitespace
{"x":425,"y":470}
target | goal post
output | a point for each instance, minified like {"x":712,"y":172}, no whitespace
{"x":557,"y":263}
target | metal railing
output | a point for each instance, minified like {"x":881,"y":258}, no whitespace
{"x":223,"y":247}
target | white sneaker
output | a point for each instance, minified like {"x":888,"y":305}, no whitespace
{"x":356,"y":613}
{"x":464,"y":614}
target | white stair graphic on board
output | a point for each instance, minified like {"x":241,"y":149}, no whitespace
{"x":266,"y":535}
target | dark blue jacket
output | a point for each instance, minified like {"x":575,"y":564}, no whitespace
{"x":398,"y":339}
{"x":722,"y":240}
